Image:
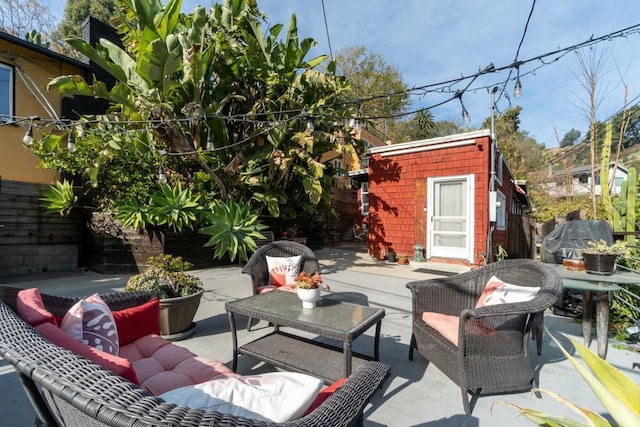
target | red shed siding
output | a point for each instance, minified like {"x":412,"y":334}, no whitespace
{"x":398,"y":193}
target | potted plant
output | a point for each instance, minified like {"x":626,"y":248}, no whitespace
{"x":600,"y":257}
{"x":179,"y":293}
{"x":391,"y":256}
{"x":309,"y":286}
{"x":403,"y":259}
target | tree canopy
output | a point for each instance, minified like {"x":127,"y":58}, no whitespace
{"x":21,"y":17}
{"x":370,"y":76}
{"x":570,"y":138}
{"x":76,"y":11}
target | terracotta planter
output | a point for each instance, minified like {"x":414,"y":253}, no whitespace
{"x":404,"y":260}
{"x":176,"y":316}
{"x":599,"y":263}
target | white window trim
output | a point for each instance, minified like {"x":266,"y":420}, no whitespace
{"x":337,"y":164}
{"x":10,"y":113}
{"x":364,"y":189}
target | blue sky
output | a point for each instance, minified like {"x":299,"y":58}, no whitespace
{"x":431,"y":41}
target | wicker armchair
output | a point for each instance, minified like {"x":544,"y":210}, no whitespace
{"x":68,"y":390}
{"x":256,"y":267}
{"x":491,"y":355}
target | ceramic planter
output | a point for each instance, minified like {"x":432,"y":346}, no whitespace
{"x":309,"y":297}
{"x":599,"y":263}
{"x":176,"y":316}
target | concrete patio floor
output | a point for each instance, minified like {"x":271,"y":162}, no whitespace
{"x":414,"y":395}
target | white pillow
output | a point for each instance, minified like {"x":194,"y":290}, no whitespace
{"x":507,"y":293}
{"x":91,"y":322}
{"x":275,"y":396}
{"x":283,"y":270}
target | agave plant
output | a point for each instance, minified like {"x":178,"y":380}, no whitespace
{"x":59,"y":198}
{"x":234,"y":226}
{"x":619,"y":394}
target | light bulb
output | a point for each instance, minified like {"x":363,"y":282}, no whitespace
{"x":517,"y":89}
{"x":210,"y":145}
{"x":162,"y":177}
{"x":358,"y":126}
{"x":28,"y":137}
{"x":352,"y":122}
{"x":310,"y":127}
{"x":71,"y":146}
{"x":465,"y":116}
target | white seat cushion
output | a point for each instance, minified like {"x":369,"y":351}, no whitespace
{"x":276,"y":396}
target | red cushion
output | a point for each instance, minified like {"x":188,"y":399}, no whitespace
{"x":30,"y":307}
{"x":324,"y":395}
{"x":137,"y":322}
{"x":115,"y":364}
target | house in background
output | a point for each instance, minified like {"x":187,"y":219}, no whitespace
{"x":346,"y":194}
{"x":25,"y":71}
{"x":437,"y":194}
{"x":577,"y":180}
{"x":31,"y":241}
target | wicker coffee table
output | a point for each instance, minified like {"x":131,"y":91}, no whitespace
{"x":331,"y":319}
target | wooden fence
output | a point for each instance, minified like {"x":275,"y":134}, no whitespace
{"x":521,"y":237}
{"x":30,"y":240}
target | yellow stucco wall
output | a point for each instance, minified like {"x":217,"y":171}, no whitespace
{"x":16,"y":162}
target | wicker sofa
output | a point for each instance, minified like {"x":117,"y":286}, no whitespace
{"x":66,"y":389}
{"x":491,"y":355}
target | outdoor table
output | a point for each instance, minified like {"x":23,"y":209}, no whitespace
{"x":331,"y":319}
{"x":601,"y":285}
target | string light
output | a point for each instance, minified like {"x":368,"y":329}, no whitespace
{"x":210,"y":145}
{"x":309,"y":124}
{"x":440,"y":87}
{"x":466,"y":118}
{"x":28,"y":137}
{"x":71,"y":145}
{"x":517,"y":89}
{"x":162,"y":177}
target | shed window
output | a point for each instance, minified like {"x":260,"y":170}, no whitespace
{"x":337,"y":164}
{"x":6,"y":92}
{"x":364,"y":198}
{"x":501,"y":211}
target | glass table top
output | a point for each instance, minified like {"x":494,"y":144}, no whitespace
{"x":329,"y":313}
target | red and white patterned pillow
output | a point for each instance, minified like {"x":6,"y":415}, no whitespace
{"x":497,"y":291}
{"x":283,"y":270}
{"x":91,"y":322}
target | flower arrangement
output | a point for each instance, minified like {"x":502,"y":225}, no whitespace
{"x":306,"y":280}
{"x":618,"y":248}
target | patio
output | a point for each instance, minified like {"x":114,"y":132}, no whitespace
{"x":414,"y":395}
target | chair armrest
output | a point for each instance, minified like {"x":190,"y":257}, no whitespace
{"x":345,"y":406}
{"x":447,"y":295}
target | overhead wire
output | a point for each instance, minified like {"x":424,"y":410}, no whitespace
{"x":446,"y":86}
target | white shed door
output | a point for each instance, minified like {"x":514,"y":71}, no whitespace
{"x":450,"y":217}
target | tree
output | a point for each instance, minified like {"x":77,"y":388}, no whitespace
{"x":76,"y":11}
{"x":590,"y":70}
{"x":420,"y":126}
{"x":371,"y":77}
{"x":20,"y":17}
{"x":222,"y":106}
{"x":570,"y":138}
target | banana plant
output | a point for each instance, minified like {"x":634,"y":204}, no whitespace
{"x":618,"y":393}
{"x":187,"y":72}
